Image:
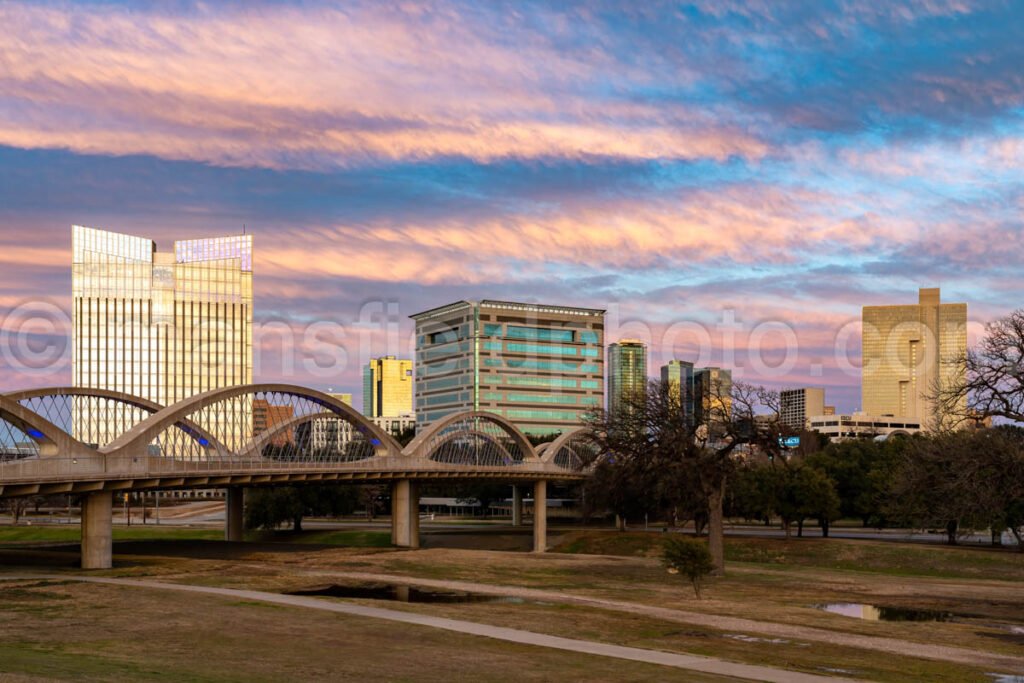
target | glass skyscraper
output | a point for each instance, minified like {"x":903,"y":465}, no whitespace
{"x":162,"y":326}
{"x":712,"y":392}
{"x":678,"y":374}
{"x":627,"y":370}
{"x":540,"y":366}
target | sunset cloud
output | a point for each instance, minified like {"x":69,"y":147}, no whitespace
{"x":760,"y":162}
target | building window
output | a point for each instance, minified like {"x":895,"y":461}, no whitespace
{"x":542,"y":348}
{"x":538,"y":334}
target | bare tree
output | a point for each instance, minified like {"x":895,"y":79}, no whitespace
{"x":654,"y":448}
{"x":991,"y":381}
{"x":17,"y":507}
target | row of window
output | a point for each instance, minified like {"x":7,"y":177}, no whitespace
{"x":548,"y":365}
{"x":561,"y":399}
{"x":523,"y":414}
{"x":444,"y":399}
{"x":541,"y":333}
{"x":442,"y":351}
{"x":442,"y":367}
{"x":445,"y":383}
{"x":547,"y":349}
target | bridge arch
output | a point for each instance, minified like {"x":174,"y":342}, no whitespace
{"x":352,"y":451}
{"x":574,"y":450}
{"x":467,"y":424}
{"x":144,"y":433}
{"x":50,"y":439}
{"x":145,"y":405}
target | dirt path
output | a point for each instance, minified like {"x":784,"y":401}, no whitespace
{"x":679,"y":661}
{"x":732,"y":624}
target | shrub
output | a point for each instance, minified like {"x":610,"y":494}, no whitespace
{"x":689,"y":558}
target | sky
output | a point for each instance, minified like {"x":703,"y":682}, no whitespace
{"x":731,"y":180}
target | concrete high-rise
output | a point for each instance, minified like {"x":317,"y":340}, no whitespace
{"x":162,"y":326}
{"x":387,"y":387}
{"x":678,"y":374}
{"x":540,"y":366}
{"x":627,"y":371}
{"x":908,"y":351}
{"x":796,"y":406}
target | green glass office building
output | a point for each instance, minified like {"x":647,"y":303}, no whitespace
{"x":627,"y":370}
{"x":540,"y":366}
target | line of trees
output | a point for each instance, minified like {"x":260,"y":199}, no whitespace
{"x":656,"y":463}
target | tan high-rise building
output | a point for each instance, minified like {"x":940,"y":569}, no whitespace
{"x":387,"y":387}
{"x":162,"y":326}
{"x":797,"y":405}
{"x":908,"y":351}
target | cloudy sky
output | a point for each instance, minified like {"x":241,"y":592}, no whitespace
{"x":740,"y":169}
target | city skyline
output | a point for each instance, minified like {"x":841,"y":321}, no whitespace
{"x":664,"y":182}
{"x":773,"y":374}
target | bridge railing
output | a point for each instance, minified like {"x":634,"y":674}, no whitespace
{"x":59,"y":469}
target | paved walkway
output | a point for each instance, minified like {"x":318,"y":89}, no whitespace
{"x":902,"y":648}
{"x":688,"y":662}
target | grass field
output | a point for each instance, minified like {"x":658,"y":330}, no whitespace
{"x":70,"y":534}
{"x":773,"y":581}
{"x":895,"y":559}
{"x":63,"y":631}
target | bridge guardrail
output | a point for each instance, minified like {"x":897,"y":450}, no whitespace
{"x":71,"y":469}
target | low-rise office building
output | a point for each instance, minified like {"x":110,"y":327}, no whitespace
{"x":862,"y":425}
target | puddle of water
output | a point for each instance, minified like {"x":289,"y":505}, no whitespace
{"x":1005,"y":678}
{"x":859,"y":610}
{"x":754,"y":639}
{"x":399,"y":593}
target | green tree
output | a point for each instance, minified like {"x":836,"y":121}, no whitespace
{"x":962,"y":480}
{"x":862,"y":470}
{"x":690,"y":558}
{"x":268,"y":508}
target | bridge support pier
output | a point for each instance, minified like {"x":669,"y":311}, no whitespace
{"x":405,"y":514}
{"x":517,"y":505}
{"x":97,"y":531}
{"x":234,"y":509}
{"x":540,"y":516}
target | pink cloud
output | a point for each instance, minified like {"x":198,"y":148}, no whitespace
{"x":286,"y":88}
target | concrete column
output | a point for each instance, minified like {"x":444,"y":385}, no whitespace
{"x":414,"y":514}
{"x":234,"y":514}
{"x":405,"y":514}
{"x":540,"y":516}
{"x":517,"y":505}
{"x":97,"y":531}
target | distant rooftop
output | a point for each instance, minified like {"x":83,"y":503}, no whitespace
{"x":507,"y":305}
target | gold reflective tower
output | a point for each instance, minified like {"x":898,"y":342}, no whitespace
{"x":162,"y":326}
{"x":387,"y":387}
{"x":908,"y":352}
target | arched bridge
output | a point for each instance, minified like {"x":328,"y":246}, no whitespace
{"x":92,"y":442}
